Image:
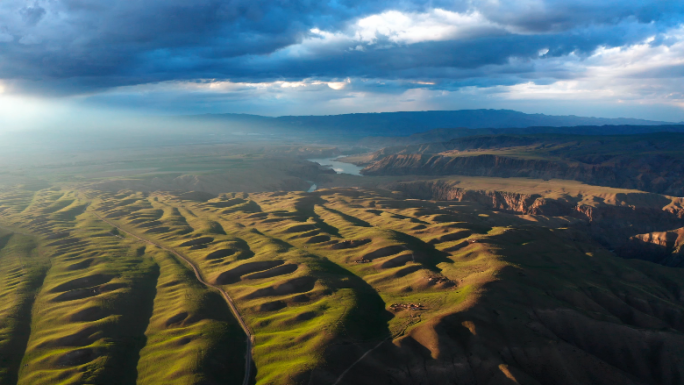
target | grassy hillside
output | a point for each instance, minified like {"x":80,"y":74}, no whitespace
{"x":345,"y":286}
{"x":103,"y":304}
{"x":22,"y":270}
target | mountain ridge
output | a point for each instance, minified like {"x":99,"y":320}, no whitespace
{"x":412,"y":122}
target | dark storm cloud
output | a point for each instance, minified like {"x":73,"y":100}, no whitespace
{"x":445,"y":60}
{"x":83,"y":46}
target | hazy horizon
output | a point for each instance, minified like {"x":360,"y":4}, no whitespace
{"x":69,"y":120}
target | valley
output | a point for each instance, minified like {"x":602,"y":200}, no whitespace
{"x":438,"y":290}
{"x":214,"y":265}
{"x":341,"y":192}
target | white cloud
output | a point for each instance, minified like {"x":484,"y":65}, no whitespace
{"x":411,"y":28}
{"x":397,"y":27}
{"x":227,"y":86}
{"x":6,"y":37}
{"x":339,"y":85}
{"x":641,"y":73}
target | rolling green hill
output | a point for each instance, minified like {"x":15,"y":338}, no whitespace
{"x":211,"y":265}
{"x":343,"y":286}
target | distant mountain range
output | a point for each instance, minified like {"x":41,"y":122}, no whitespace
{"x":446,"y":134}
{"x":408,"y":123}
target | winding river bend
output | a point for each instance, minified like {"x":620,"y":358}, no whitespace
{"x":337,"y":166}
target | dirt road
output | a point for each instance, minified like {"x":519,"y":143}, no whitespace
{"x":226,"y":297}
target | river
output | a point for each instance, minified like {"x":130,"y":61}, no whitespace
{"x":339,"y":167}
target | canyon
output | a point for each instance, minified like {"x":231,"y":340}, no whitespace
{"x":650,"y":162}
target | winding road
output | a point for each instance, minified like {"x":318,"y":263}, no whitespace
{"x":226,"y":297}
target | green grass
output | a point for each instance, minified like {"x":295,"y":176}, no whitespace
{"x":22,"y":270}
{"x":347,"y":302}
{"x":121,"y":301}
{"x":102,"y":304}
{"x":191,"y":336}
{"x":313,"y":307}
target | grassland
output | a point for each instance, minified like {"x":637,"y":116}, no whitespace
{"x":22,"y":270}
{"x":102,"y":312}
{"x":276,"y":253}
{"x":424,"y":291}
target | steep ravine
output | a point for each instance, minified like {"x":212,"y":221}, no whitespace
{"x":643,"y":226}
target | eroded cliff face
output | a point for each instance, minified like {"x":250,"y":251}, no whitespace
{"x":499,"y":200}
{"x":634,"y":225}
{"x":656,"y":174}
{"x":663,"y":247}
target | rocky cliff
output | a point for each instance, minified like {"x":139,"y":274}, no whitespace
{"x":634,"y":225}
{"x":663,"y":247}
{"x":658,"y":174}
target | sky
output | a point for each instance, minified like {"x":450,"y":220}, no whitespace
{"x":93,"y":60}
